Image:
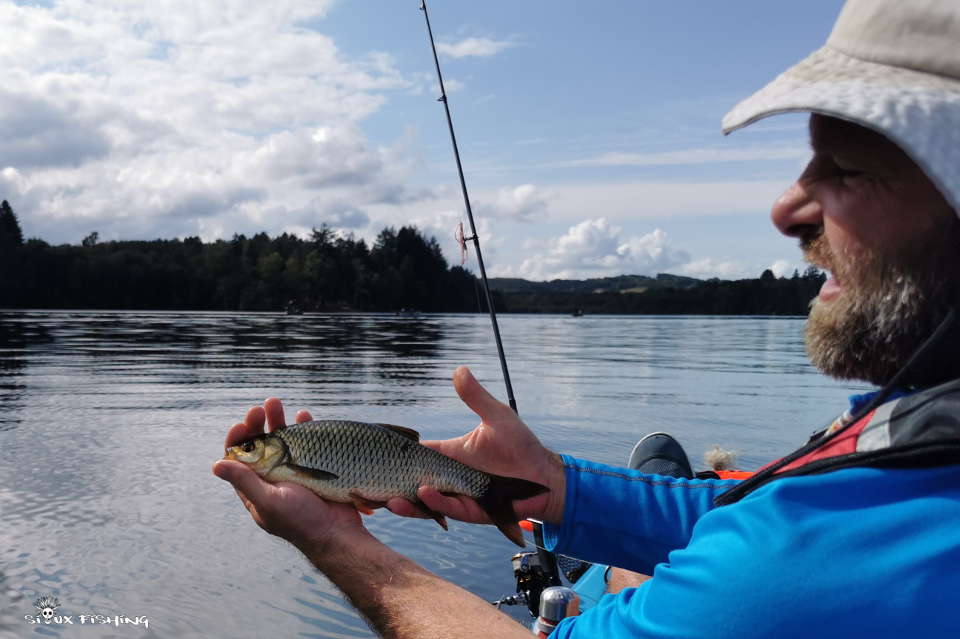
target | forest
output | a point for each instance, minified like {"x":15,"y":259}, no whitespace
{"x":334,"y":272}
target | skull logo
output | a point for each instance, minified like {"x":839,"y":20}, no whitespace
{"x":47,"y":607}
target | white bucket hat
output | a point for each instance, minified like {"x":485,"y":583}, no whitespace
{"x":889,"y":65}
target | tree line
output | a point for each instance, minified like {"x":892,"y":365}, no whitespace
{"x":328,"y":272}
{"x":325,"y":272}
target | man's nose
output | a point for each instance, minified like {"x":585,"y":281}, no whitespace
{"x":796,"y":211}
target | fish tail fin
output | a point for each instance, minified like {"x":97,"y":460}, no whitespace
{"x":498,"y":500}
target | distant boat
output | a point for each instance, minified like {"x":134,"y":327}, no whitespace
{"x":293,"y":308}
{"x":577,"y":312}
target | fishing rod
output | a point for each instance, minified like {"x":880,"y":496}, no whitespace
{"x":473,"y":228}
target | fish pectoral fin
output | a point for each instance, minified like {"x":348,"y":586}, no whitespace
{"x":409,"y":433}
{"x":316,"y":473}
{"x":366,"y":506}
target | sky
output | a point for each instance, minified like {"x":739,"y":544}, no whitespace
{"x":589,"y":132}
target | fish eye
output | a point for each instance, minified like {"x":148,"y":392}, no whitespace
{"x":247,"y":447}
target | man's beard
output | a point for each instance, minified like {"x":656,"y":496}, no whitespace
{"x":888,"y":307}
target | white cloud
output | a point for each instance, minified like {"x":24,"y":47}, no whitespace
{"x":593,"y":248}
{"x":11,"y":180}
{"x":336,"y":213}
{"x":781,"y":268}
{"x":525,"y":202}
{"x":175,"y":118}
{"x":474,"y":47}
{"x":453,"y":86}
{"x":652,"y":252}
{"x":706,"y":268}
{"x":332,"y":155}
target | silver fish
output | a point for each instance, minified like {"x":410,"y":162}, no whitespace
{"x":367,"y":464}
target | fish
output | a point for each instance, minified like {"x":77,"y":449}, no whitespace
{"x":366,"y":464}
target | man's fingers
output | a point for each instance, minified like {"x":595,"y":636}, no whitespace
{"x":239,"y":433}
{"x":270,"y":414}
{"x":456,"y":506}
{"x":402,"y":507}
{"x":255,"y":419}
{"x":476,"y":397}
{"x":273,"y":408}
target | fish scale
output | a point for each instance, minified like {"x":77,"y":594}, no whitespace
{"x":374,"y":462}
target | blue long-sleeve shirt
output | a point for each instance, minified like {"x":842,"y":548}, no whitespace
{"x":859,"y":552}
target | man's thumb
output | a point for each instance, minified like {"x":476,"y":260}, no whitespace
{"x":476,"y":397}
{"x":247,"y":482}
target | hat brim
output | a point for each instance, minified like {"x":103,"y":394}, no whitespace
{"x":920,"y":112}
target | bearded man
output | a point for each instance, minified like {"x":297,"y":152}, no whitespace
{"x":857,"y":533}
{"x":865,"y":212}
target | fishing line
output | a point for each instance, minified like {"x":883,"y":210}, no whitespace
{"x":473,"y":228}
{"x":476,"y":288}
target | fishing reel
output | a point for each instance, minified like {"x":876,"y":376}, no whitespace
{"x":547,"y":604}
{"x":538,"y":583}
{"x":531,"y":582}
{"x":534,"y":571}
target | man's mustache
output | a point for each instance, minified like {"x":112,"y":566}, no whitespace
{"x":816,"y":251}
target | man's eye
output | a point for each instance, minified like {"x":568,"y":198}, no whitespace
{"x":847,"y":173}
{"x":824,"y":166}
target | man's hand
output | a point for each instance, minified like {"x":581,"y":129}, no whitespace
{"x":502,"y":445}
{"x":285,"y":510}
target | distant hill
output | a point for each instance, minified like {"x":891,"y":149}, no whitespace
{"x":619,"y":284}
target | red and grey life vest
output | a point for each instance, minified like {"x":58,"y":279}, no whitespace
{"x":921,"y":430}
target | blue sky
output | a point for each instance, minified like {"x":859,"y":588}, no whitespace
{"x":589,"y":132}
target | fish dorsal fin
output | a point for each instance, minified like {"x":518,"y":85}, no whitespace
{"x":409,"y":433}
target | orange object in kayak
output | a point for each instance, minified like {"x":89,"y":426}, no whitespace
{"x":734,"y":474}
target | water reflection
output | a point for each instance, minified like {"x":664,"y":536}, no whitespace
{"x":15,"y":335}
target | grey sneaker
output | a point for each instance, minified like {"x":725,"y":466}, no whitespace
{"x":660,"y":454}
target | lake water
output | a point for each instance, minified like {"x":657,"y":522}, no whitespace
{"x":109,"y":423}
